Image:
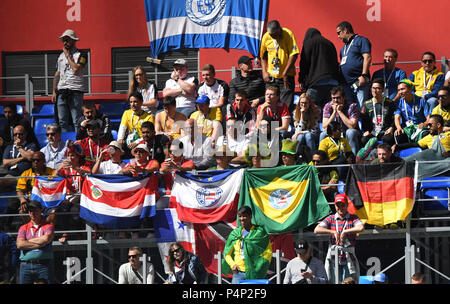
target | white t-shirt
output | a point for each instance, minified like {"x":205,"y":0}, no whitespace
{"x":214,"y":92}
{"x":68,"y":79}
{"x":237,"y":145}
{"x":127,"y":275}
{"x":183,"y":101}
{"x":148,"y":94}
{"x":108,"y":167}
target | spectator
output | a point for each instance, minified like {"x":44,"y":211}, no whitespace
{"x":169,"y":122}
{"x":184,"y":266}
{"x":241,"y":110}
{"x":255,"y":153}
{"x":133,"y":271}
{"x":411,"y":110}
{"x":93,"y":145}
{"x":235,"y":140}
{"x":8,"y":249}
{"x":132,"y":119}
{"x":390,"y":74}
{"x":17,"y":158}
{"x":428,"y":79}
{"x":14,"y":119}
{"x":276,"y":109}
{"x":157,"y":144}
{"x":385,"y":155}
{"x":304,"y":269}
{"x":267,"y":133}
{"x":328,"y":176}
{"x":196,"y":146}
{"x":34,"y":240}
{"x":377,"y":115}
{"x":337,"y":148}
{"x":319,"y":67}
{"x":26,"y":181}
{"x":208,"y":119}
{"x":223,"y":157}
{"x":55,"y":149}
{"x":306,"y":122}
{"x":182,"y":87}
{"x":68,"y":83}
{"x":147,"y":88}
{"x":435,"y":137}
{"x":248,"y":251}
{"x":90,"y":113}
{"x":141,"y":163}
{"x":380,"y":278}
{"x":418,"y":278}
{"x":112,"y":166}
{"x":176,"y":162}
{"x":289,"y":152}
{"x":249,"y":81}
{"x":342,"y":228}
{"x":278,"y":54}
{"x":443,"y":108}
{"x":355,"y":62}
{"x":347,"y":114}
{"x":447,"y":79}
{"x":217,"y":90}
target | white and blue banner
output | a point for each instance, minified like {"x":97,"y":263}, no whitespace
{"x":176,"y":24}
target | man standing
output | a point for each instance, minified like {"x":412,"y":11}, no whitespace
{"x":182,"y":87}
{"x":304,"y":269}
{"x":133,"y":271}
{"x":319,"y":67}
{"x":55,"y":150}
{"x":34,"y":240}
{"x":278,"y":53}
{"x":217,"y":90}
{"x":356,"y":59}
{"x":68,"y":83}
{"x":390,"y":74}
{"x":250,"y":81}
{"x":428,"y":79}
{"x":342,"y":228}
{"x":247,"y":252}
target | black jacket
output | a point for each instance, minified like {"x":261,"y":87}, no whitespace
{"x":254,"y":85}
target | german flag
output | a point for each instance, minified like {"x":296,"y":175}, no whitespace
{"x":381,"y":194}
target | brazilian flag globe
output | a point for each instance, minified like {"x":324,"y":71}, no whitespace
{"x":283,"y":199}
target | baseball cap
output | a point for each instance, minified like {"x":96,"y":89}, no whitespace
{"x":180,"y":61}
{"x":340,"y":198}
{"x":301,"y":246}
{"x":69,"y":33}
{"x":202,"y":99}
{"x":244,"y":59}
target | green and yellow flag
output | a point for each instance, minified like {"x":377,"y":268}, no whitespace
{"x":283,"y":199}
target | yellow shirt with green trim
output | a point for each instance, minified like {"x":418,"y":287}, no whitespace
{"x":131,"y":122}
{"x":427,"y":141}
{"x":444,"y":113}
{"x":205,"y":124}
{"x":333,"y":151}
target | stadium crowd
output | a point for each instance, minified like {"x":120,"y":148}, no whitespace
{"x":344,"y":114}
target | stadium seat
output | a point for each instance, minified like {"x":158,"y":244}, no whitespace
{"x":114,"y":134}
{"x":262,"y":281}
{"x":4,"y":200}
{"x":46,"y":110}
{"x":68,"y":135}
{"x":409,"y":151}
{"x":365,"y":279}
{"x":41,"y":123}
{"x":341,"y":187}
{"x":113,"y":110}
{"x":42,"y":139}
{"x":434,"y":195}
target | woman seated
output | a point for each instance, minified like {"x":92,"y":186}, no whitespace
{"x":306,"y":122}
{"x":184,"y":266}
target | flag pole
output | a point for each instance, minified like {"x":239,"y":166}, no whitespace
{"x":153,"y":60}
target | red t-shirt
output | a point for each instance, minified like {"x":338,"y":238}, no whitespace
{"x":281,"y":111}
{"x":92,"y":149}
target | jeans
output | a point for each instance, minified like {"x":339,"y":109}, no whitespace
{"x":69,"y":107}
{"x":311,"y":139}
{"x":343,"y":273}
{"x":187,"y":111}
{"x":359,"y":95}
{"x":31,"y":272}
{"x":352,"y":136}
{"x":237,"y":277}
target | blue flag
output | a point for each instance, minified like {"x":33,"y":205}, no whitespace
{"x":176,"y":24}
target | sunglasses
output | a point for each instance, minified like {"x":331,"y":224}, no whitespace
{"x":18,"y":134}
{"x":442,"y":96}
{"x":133,"y":256}
{"x":429,"y":125}
{"x":51,"y":134}
{"x":176,"y":250}
{"x":428,"y":61}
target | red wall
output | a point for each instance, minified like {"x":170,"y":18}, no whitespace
{"x":28,"y":25}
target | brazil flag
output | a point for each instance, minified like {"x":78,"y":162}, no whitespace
{"x":283,"y":199}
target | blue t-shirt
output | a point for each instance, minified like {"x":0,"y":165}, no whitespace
{"x":12,"y":152}
{"x":392,"y":79}
{"x":417,"y":113}
{"x":353,"y":50}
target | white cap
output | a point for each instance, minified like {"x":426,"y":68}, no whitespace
{"x":69,"y":33}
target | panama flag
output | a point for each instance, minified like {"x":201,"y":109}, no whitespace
{"x":207,"y":197}
{"x":169,"y":229}
{"x":49,"y":191}
{"x":118,"y":201}
{"x":176,"y":24}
